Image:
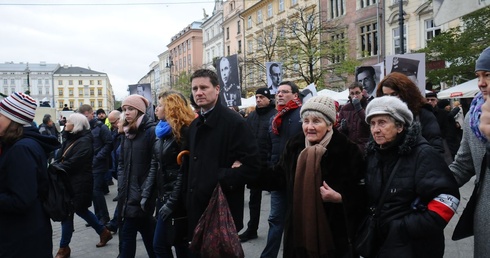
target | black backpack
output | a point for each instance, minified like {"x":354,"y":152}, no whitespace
{"x":58,"y":200}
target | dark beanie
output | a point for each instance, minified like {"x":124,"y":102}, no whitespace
{"x":264,"y":91}
{"x":483,"y":62}
{"x":443,"y":103}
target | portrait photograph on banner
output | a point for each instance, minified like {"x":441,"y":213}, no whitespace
{"x":412,"y":65}
{"x":369,"y":77}
{"x":143,"y":89}
{"x":229,"y":81}
{"x":274,"y":75}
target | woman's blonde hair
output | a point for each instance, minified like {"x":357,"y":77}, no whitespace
{"x":79,"y":121}
{"x":178,"y":113}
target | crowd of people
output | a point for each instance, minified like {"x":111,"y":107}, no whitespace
{"x":396,"y":157}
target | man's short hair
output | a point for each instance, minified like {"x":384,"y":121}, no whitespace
{"x":46,"y":118}
{"x":206,"y":73}
{"x":140,"y":85}
{"x":356,"y":85}
{"x":370,"y":69}
{"x":85,"y":108}
{"x":272,"y":66}
{"x":294,"y":87}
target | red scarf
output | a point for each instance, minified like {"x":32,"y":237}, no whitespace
{"x":281,"y":111}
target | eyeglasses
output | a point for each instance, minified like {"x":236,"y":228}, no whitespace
{"x":115,"y":122}
{"x":283,"y":91}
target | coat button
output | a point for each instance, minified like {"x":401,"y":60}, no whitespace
{"x":195,"y":157}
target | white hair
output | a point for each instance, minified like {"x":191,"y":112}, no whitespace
{"x":79,"y":121}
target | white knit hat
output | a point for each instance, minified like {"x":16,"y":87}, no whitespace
{"x":388,"y":105}
{"x":322,"y":104}
{"x":19,"y":107}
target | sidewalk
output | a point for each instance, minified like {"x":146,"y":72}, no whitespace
{"x":84,"y":238}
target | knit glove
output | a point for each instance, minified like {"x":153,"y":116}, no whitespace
{"x":357,"y":104}
{"x":143,"y":203}
{"x":164,"y":212}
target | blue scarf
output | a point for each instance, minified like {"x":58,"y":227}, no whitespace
{"x":475,"y":112}
{"x":162,"y":129}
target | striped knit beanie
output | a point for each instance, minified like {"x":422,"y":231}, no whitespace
{"x":19,"y":108}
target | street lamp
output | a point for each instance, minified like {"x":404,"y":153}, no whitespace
{"x":28,"y":71}
{"x":170,"y":63}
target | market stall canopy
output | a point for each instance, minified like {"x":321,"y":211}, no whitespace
{"x":341,"y":97}
{"x":465,"y":90}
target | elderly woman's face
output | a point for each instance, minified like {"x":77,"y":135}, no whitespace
{"x":315,"y":128}
{"x":68,"y":126}
{"x":384,"y":129}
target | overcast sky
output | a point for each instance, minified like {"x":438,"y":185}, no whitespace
{"x":120,"y":40}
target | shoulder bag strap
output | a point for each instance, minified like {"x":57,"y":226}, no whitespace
{"x":66,"y":151}
{"x":387,"y":187}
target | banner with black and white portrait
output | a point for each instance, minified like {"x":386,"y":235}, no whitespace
{"x":274,"y":75}
{"x":229,"y":81}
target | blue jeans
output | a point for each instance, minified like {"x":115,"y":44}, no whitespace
{"x":67,"y":226}
{"x":129,"y":228}
{"x":276,"y":224}
{"x":98,"y":198}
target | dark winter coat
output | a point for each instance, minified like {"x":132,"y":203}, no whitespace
{"x":25,"y":229}
{"x":290,"y":127}
{"x":407,"y":229}
{"x":133,"y":169}
{"x":216,"y":140}
{"x":260,"y":121}
{"x":165,"y":177}
{"x":343,"y":169}
{"x":77,"y":162}
{"x":430,"y":128}
{"x":102,"y":146}
{"x":356,"y":129}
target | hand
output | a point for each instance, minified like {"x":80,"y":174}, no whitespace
{"x":329,"y":195}
{"x":485,"y":119}
{"x":357,"y":104}
{"x":236,"y":164}
{"x":365,"y":93}
{"x":164,"y":212}
{"x":343,"y":124}
{"x":143,"y":203}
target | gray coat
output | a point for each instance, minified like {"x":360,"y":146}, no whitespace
{"x":466,"y":164}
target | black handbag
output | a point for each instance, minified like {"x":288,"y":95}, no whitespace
{"x":366,"y":242}
{"x":176,"y":230}
{"x":464,"y":228}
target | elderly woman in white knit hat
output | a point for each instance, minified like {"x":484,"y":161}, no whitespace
{"x":25,"y":229}
{"x":410,"y":188}
{"x":323,"y":171}
{"x":133,"y":167}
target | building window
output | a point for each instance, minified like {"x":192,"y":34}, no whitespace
{"x":71,"y":104}
{"x":337,"y":8}
{"x":92,"y":93}
{"x":46,"y":82}
{"x":431,"y":30}
{"x":239,"y":46}
{"x":39,"y":90}
{"x":188,"y":44}
{"x":227,"y":32}
{"x":185,"y":61}
{"x":228,"y":50}
{"x":80,"y":82}
{"x":259,"y":16}
{"x":12,"y":90}
{"x":365,"y":3}
{"x":238,"y":27}
{"x":80,"y":92}
{"x":92,"y":103}
{"x":249,"y":22}
{"x":260,"y":43}
{"x":5,"y":90}
{"x":60,"y":92}
{"x":70,"y":92}
{"x":281,"y":5}
{"x":46,"y":89}
{"x":100,"y":103}
{"x":339,"y":50}
{"x":39,"y":81}
{"x":396,"y":40}
{"x":5,"y":82}
{"x":250,"y":46}
{"x":99,"y":92}
{"x":12,"y":81}
{"x":60,"y":82}
{"x":70,"y":82}
{"x":282,"y":32}
{"x":294,"y":2}
{"x":91,"y":82}
{"x":369,"y":39}
{"x":61,"y":105}
{"x":269,"y":10}
{"x":99,"y":82}
{"x":189,"y":59}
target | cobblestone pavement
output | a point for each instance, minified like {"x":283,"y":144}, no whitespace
{"x":84,"y":238}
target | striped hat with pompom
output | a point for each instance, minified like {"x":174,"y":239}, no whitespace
{"x":19,"y":107}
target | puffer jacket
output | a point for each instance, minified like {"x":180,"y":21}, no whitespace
{"x":165,"y":176}
{"x":133,"y":169}
{"x":417,"y":207}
